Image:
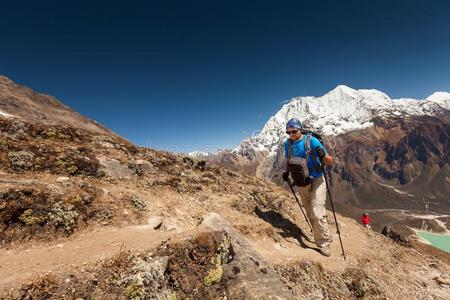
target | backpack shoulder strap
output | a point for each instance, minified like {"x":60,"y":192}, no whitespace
{"x":308,"y":144}
{"x":310,"y":153}
{"x":289,"y":148}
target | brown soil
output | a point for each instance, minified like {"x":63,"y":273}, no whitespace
{"x":28,"y":260}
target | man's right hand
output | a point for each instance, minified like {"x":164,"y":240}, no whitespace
{"x":285,"y":176}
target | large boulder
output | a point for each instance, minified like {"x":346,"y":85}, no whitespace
{"x":247,"y":276}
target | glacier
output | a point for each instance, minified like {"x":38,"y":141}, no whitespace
{"x":338,"y":111}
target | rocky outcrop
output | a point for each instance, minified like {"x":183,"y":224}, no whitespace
{"x":395,"y":236}
{"x":248,"y":276}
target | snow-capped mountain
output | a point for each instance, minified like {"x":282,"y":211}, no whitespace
{"x":198,"y":154}
{"x":388,"y":153}
{"x":341,"y":110}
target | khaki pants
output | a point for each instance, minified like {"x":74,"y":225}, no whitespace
{"x":368,"y":229}
{"x":313,"y":198}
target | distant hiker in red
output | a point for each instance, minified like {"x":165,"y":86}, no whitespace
{"x":366,"y":220}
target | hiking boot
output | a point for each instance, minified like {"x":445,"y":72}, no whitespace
{"x":325,"y":251}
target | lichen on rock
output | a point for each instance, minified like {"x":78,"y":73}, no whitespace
{"x":134,"y":291}
{"x":145,"y":278}
{"x":67,"y":166}
{"x":29,"y":218}
{"x":215,"y":274}
{"x":63,"y":215}
{"x":21,"y":160}
{"x":138,"y":203}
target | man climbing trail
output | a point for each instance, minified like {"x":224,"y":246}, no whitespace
{"x":366,"y":220}
{"x":305,"y":157}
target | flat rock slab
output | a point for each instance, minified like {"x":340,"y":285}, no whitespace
{"x":247,"y":276}
{"x":62,"y":179}
{"x":155,"y":221}
{"x":115,"y":169}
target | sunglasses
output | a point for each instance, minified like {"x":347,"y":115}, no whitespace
{"x":292,"y":132}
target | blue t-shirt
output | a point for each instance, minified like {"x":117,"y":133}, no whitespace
{"x":299,"y":150}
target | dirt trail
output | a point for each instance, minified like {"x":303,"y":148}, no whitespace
{"x":18,"y":264}
{"x":354,"y":237}
{"x":82,"y":248}
{"x":71,"y":254}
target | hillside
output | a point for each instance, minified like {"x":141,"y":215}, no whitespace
{"x":86,"y":214}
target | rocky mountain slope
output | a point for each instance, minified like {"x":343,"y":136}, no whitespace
{"x":85,"y":214}
{"x":17,"y":101}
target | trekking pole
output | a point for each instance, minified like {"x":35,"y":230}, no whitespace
{"x":301,"y":208}
{"x":334,"y":213}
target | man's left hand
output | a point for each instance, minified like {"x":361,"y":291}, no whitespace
{"x":320,"y":152}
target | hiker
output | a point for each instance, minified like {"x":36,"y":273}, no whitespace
{"x":366,"y":220}
{"x":305,"y":157}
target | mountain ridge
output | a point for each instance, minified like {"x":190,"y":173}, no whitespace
{"x":340,"y":110}
{"x":22,"y":103}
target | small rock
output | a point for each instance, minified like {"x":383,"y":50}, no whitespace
{"x":189,"y":161}
{"x":142,"y":162}
{"x":442,"y":281}
{"x":279,"y":245}
{"x":62,"y":179}
{"x":170,"y":225}
{"x":293,"y":240}
{"x":164,"y":261}
{"x":155,"y":221}
{"x":138,"y":203}
{"x":201,"y":165}
{"x":316,"y":295}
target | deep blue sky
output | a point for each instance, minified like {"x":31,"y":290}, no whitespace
{"x":185,"y":75}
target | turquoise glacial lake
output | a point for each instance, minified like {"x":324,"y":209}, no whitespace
{"x":441,"y":241}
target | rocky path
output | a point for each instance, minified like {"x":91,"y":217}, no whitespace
{"x":17,"y":264}
{"x":20,"y":263}
{"x":354,"y":238}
